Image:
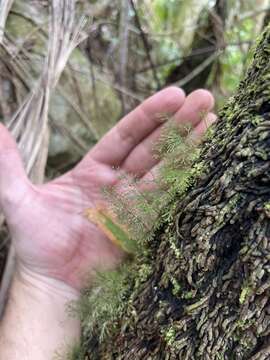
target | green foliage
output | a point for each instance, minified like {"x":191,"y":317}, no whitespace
{"x":101,"y":305}
{"x":178,"y":156}
{"x":76,"y":353}
{"x":127,"y":244}
{"x":267,"y":206}
{"x":134,"y":210}
{"x":107,"y":223}
{"x":167,"y":12}
{"x":167,"y":26}
{"x":173,"y":246}
{"x":169,"y":336}
{"x":246,"y":290}
{"x":188,"y":295}
{"x":176,"y":287}
{"x":237,"y":56}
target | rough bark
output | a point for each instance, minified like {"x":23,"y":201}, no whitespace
{"x":207,"y":295}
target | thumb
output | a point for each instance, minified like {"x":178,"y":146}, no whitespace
{"x":13,"y":179}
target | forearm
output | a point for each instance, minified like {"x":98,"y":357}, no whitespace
{"x":36,"y":323}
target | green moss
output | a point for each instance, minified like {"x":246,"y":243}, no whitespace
{"x":188,"y":295}
{"x":176,"y":286}
{"x":244,"y":324}
{"x":169,"y":336}
{"x":245,"y":292}
{"x":246,"y":152}
{"x":76,"y":353}
{"x":220,"y":356}
{"x":256,"y":120}
{"x":144,"y":272}
{"x":173,"y":246}
{"x":198,"y":169}
{"x":267,"y":206}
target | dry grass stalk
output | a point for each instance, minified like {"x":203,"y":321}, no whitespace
{"x":30,"y":122}
{"x":5,"y":6}
{"x":29,"y":125}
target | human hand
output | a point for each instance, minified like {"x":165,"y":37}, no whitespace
{"x":51,"y":236}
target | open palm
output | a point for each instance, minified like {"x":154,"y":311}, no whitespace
{"x":51,"y":235}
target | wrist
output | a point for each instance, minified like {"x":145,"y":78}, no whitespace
{"x":38,"y":309}
{"x":44,"y":286}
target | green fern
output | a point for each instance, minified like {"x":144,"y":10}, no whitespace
{"x":101,"y":305}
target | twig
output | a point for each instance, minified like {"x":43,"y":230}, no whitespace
{"x":254,"y":13}
{"x":5,"y":6}
{"x":123,"y":50}
{"x":197,"y":52}
{"x":85,"y":120}
{"x":80,"y":146}
{"x":114,"y":85}
{"x":198,"y":69}
{"x":93,"y":81}
{"x":145,"y":43}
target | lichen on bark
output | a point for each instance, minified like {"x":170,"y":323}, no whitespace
{"x":207,"y":294}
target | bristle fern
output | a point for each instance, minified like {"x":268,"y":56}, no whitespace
{"x":100,"y":306}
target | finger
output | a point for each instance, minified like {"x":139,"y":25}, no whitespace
{"x":197,"y":134}
{"x":142,"y":158}
{"x":13,"y":179}
{"x":196,"y":107}
{"x":115,"y":146}
{"x":149,"y":180}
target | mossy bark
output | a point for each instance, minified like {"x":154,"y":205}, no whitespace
{"x":207,"y":296}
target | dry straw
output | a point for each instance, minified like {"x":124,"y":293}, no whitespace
{"x":5,"y":6}
{"x":29,"y":125}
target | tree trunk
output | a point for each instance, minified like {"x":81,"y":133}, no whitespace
{"x":207,"y":294}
